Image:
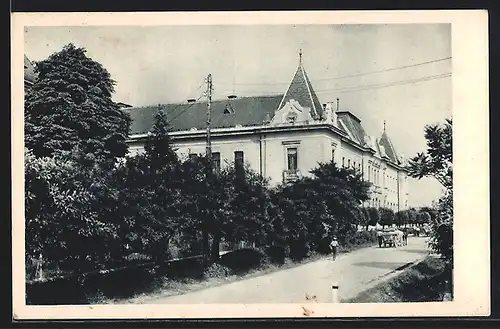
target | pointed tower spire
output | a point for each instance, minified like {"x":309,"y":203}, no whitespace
{"x":384,"y":125}
{"x":301,"y":90}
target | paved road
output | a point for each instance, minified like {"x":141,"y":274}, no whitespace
{"x":355,"y":272}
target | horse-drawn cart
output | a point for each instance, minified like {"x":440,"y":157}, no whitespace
{"x":390,"y":238}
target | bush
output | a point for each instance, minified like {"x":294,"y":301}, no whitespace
{"x":243,"y":260}
{"x":217,"y":271}
{"x":276,"y":254}
{"x":299,"y":249}
{"x":323,"y":247}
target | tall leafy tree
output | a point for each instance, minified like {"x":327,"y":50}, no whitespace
{"x":64,"y":224}
{"x":316,"y":207}
{"x":437,"y":162}
{"x":386,"y":217}
{"x":401,"y":218}
{"x":70,"y":105}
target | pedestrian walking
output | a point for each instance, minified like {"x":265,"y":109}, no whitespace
{"x":405,"y":237}
{"x":334,"y":246}
{"x":379,"y":238}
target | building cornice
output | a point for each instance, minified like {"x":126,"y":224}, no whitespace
{"x":244,"y":131}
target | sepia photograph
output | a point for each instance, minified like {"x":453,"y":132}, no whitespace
{"x":300,"y":165}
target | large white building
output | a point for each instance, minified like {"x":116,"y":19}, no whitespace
{"x":282,"y":137}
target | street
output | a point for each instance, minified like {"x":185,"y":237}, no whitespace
{"x":354,"y":272}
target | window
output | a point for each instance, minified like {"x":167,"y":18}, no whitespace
{"x":369,"y":173}
{"x":238,"y":159}
{"x":349,"y":163}
{"x":216,"y":161}
{"x":333,"y":154}
{"x":291,"y":154}
{"x":343,"y":162}
{"x":354,"y":164}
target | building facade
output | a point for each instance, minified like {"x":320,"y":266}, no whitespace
{"x":282,"y":137}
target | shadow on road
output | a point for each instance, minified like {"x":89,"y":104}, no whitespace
{"x":417,"y":251}
{"x":384,"y":265}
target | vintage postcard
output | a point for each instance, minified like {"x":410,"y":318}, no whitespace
{"x":250,"y":164}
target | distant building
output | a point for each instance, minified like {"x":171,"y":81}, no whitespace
{"x":283,"y":137}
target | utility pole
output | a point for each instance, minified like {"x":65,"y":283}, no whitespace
{"x":209,"y":118}
{"x":205,"y":237}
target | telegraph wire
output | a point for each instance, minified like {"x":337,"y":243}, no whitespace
{"x":181,"y":104}
{"x":373,"y":86}
{"x":387,"y":83}
{"x":398,"y":84}
{"x":187,"y":108}
{"x":349,"y":76}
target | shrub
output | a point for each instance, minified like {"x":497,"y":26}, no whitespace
{"x":323,"y":247}
{"x":243,"y":260}
{"x":299,"y":249}
{"x":276,"y":254}
{"x":217,"y":271}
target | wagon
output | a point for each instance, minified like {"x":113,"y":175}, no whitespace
{"x":389,"y":239}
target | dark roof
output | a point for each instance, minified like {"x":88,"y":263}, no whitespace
{"x":301,"y":90}
{"x":353,"y":124}
{"x":245,"y":111}
{"x":29,"y":70}
{"x":389,"y":148}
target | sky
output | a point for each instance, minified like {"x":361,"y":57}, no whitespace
{"x":397,"y":73}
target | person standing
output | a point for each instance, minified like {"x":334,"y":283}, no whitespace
{"x":379,"y":238}
{"x":334,"y":247}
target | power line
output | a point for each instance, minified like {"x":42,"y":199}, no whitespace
{"x":390,"y":69}
{"x":183,"y":111}
{"x":351,"y":75}
{"x":398,"y":84}
{"x":388,"y":83}
{"x":376,"y":86}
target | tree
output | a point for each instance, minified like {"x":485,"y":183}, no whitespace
{"x":431,"y":211}
{"x":437,"y":163}
{"x":386,"y":217}
{"x":364,"y":216}
{"x":151,"y":193}
{"x":374,"y":214}
{"x":311,"y":209}
{"x":401,"y":218}
{"x":423,"y":217}
{"x":230,"y":204}
{"x":64,"y":224}
{"x":70,"y":106}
